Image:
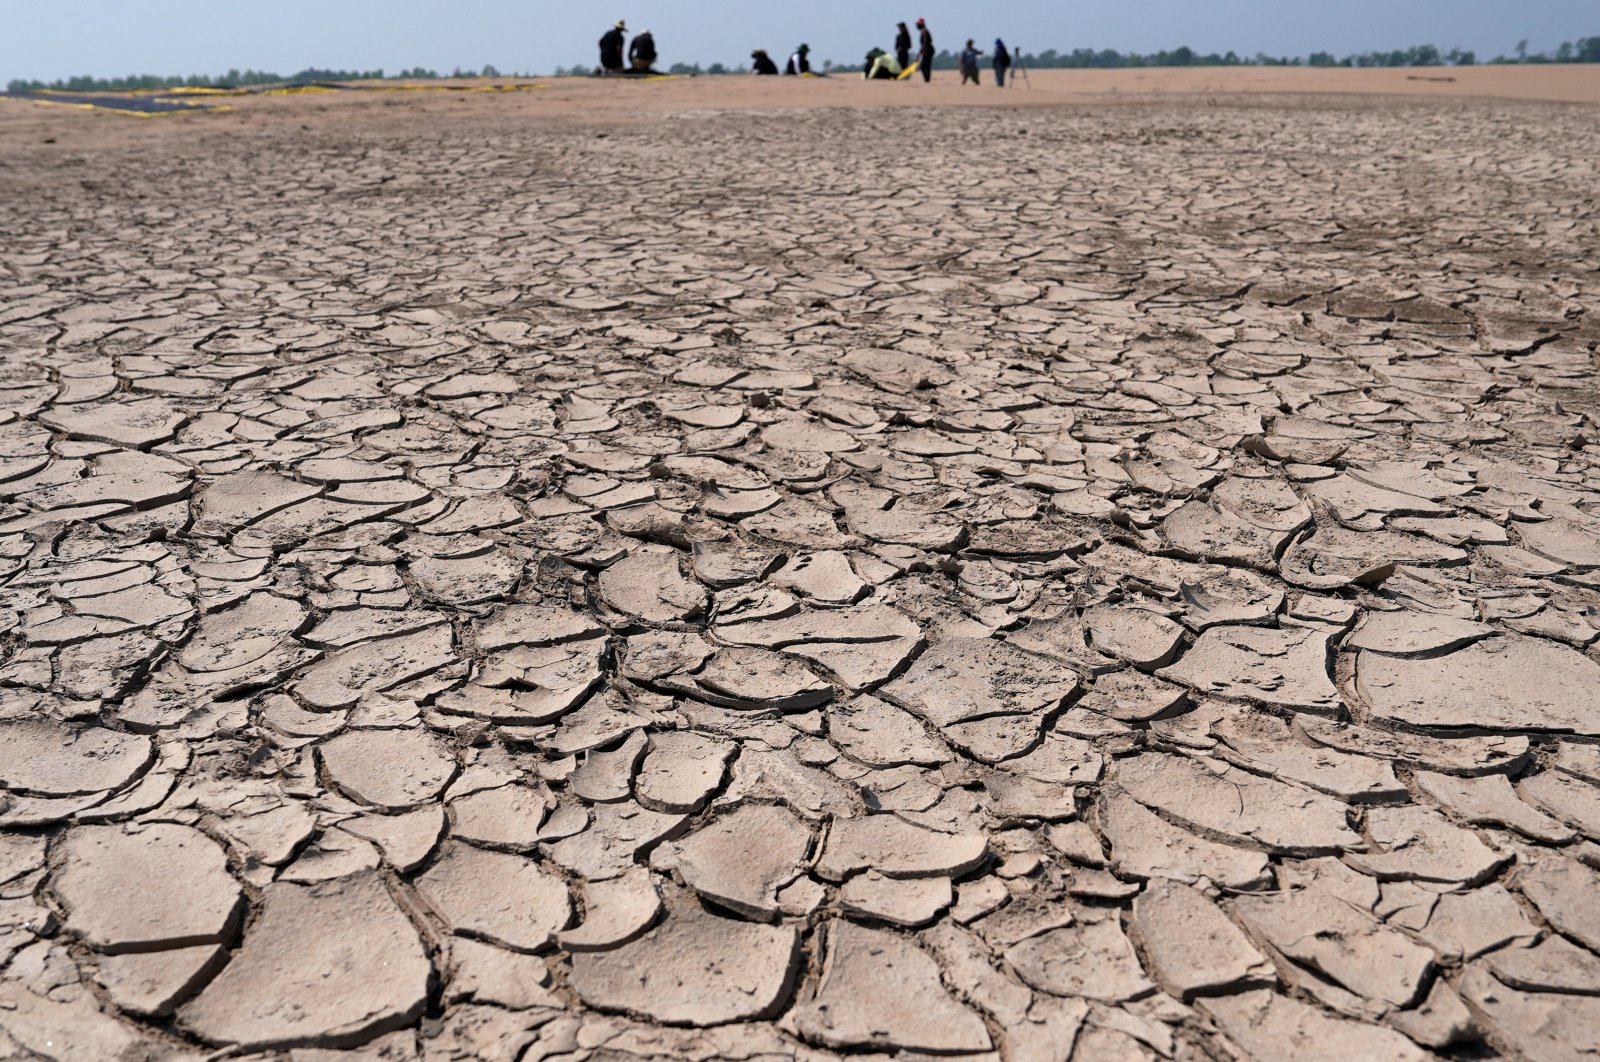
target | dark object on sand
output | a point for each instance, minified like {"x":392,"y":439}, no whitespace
{"x":761,"y":63}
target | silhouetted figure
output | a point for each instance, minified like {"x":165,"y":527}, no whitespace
{"x":642,"y":53}
{"x":881,"y":66}
{"x":800,"y":62}
{"x":902,"y":45}
{"x":925,"y":52}
{"x":969,"y":63}
{"x":1002,"y":62}
{"x":611,"y":46}
{"x":761,"y":63}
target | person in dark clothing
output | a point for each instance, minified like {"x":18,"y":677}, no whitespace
{"x":969,"y":63}
{"x":902,"y":45}
{"x":800,"y":62}
{"x":642,"y":53}
{"x":925,"y":52}
{"x":611,"y":48}
{"x":761,"y":62}
{"x":1002,"y":62}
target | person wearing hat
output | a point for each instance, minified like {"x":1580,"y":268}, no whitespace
{"x":799,"y":62}
{"x":642,"y":53}
{"x":902,"y":45}
{"x":611,"y":48}
{"x":1002,"y":62}
{"x":761,"y":62}
{"x":925,"y":52}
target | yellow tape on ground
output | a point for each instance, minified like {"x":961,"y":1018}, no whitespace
{"x":193,"y":108}
{"x":177,"y":104}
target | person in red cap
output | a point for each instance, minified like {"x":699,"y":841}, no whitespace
{"x":925,"y":55}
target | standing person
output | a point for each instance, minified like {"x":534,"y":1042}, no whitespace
{"x":761,"y":62}
{"x":969,"y":63}
{"x":925,"y":53}
{"x":611,"y":48}
{"x":1002,"y":62}
{"x":799,"y":63}
{"x":642,"y":53}
{"x":902,"y":45}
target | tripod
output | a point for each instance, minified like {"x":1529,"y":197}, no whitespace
{"x":1020,"y":70}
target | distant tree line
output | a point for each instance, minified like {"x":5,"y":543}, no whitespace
{"x":685,"y":69}
{"x":233,"y":79}
{"x":1583,"y":50}
{"x":694,"y":68}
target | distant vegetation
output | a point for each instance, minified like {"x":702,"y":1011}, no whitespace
{"x":1081,"y":58}
{"x":1584,"y":50}
{"x":234,"y":78}
{"x":581,"y":70}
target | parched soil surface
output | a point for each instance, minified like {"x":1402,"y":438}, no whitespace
{"x":1041,"y":582}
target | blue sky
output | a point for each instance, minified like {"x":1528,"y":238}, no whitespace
{"x":48,"y":39}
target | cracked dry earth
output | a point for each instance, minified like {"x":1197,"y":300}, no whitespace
{"x":1121,"y":584}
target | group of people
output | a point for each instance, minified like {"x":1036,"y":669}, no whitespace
{"x":882,"y":65}
{"x":799,"y":62}
{"x":969,"y":63}
{"x":641,"y":53}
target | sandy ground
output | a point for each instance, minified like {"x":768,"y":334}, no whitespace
{"x":710,"y":569}
{"x":590,"y":101}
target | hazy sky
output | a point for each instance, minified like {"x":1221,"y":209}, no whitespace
{"x":48,"y":39}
